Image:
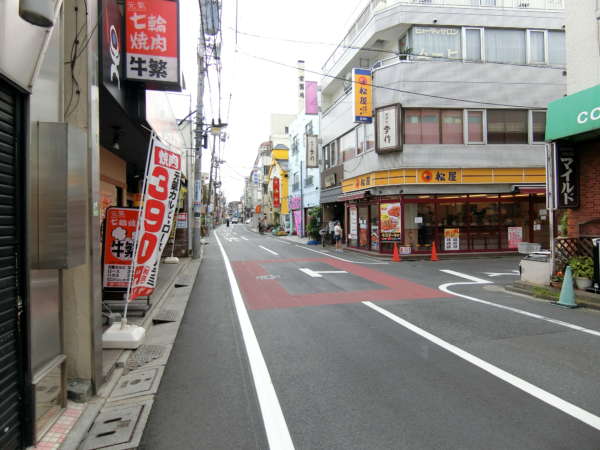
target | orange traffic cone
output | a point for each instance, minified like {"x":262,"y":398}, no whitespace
{"x":396,"y":255}
{"x":434,"y":256}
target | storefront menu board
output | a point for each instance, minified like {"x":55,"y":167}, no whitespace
{"x":451,"y":238}
{"x":515,"y":236}
{"x":391,"y":224}
{"x":119,"y":231}
{"x":353,"y":234}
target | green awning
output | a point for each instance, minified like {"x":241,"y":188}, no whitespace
{"x":574,"y":114}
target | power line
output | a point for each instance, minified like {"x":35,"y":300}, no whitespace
{"x":403,"y":91}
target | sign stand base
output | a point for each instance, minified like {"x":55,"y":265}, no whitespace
{"x":123,"y":335}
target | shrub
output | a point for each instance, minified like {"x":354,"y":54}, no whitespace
{"x":582,"y":267}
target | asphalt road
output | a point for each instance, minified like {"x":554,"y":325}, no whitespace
{"x":289,"y":346}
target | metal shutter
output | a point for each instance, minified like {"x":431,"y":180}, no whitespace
{"x":10,"y":363}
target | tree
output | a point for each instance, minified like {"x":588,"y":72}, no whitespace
{"x":314,"y":223}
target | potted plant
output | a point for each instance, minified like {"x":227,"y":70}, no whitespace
{"x":583,"y":271}
{"x":557,"y":279}
{"x":312,"y":227}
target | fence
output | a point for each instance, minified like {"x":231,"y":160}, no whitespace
{"x":566,"y":248}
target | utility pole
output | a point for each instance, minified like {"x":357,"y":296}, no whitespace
{"x":197,"y":229}
{"x":210,"y":179}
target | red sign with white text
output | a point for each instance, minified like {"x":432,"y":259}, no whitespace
{"x":276,"y":201}
{"x":152,"y":40}
{"x":119,"y":237}
{"x":157,"y":216}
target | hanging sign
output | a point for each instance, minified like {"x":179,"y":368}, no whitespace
{"x":567,"y":177}
{"x":391,"y":225}
{"x":362,"y":90}
{"x":119,"y":234}
{"x":152,"y":42}
{"x":312,"y":158}
{"x":276,"y":199}
{"x":157,"y":215}
{"x":452,"y":238}
{"x":387,"y":137}
{"x":311,"y":104}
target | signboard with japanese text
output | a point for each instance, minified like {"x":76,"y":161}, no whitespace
{"x":353,"y":226}
{"x":112,"y":51}
{"x":157,"y":216}
{"x":362,"y":91}
{"x":119,"y":235}
{"x":567,"y":177}
{"x":312,"y":154}
{"x":182,"y":220}
{"x":152,"y":42}
{"x":439,"y":176}
{"x":311,"y":103}
{"x":387,"y":136}
{"x":276,"y":197}
{"x":390,"y":220}
{"x":515,"y":236}
{"x":451,"y":239}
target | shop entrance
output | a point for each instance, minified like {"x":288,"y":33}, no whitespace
{"x":11,"y":269}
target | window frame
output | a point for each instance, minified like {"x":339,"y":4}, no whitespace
{"x":530,"y":125}
{"x":528,"y":47}
{"x":482,"y":44}
{"x":466,"y":126}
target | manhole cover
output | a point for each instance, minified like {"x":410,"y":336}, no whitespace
{"x":118,"y":427}
{"x":166,"y":315}
{"x":136,"y":383}
{"x":144,"y":355}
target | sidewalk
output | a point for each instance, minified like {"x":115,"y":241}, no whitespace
{"x":582,"y":298}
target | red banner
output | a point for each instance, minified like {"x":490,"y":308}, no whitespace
{"x":152,"y":40}
{"x":159,"y":204}
{"x":119,"y":234}
{"x":276,"y":200}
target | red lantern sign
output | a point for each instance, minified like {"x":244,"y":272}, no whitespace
{"x":276,"y":199}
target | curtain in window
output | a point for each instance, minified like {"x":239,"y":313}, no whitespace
{"x":473,"y":45}
{"x":536,"y":47}
{"x":506,"y":126}
{"x":442,"y":42}
{"x":412,"y":126}
{"x":430,"y":119}
{"x":452,"y":126}
{"x":505,"y":46}
{"x":475,"y":126}
{"x":556,"y":48}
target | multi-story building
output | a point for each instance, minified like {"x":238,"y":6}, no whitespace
{"x":276,"y":211}
{"x":455,"y":155}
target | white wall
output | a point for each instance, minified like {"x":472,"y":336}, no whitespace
{"x":583,"y":51}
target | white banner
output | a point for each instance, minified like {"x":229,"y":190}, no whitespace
{"x":157,"y":215}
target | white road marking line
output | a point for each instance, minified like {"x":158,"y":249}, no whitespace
{"x":337,"y":257}
{"x":475,"y":280}
{"x":278,"y":434}
{"x":539,"y":393}
{"x":317,"y":274}
{"x":245,"y":238}
{"x":270,"y":251}
{"x":514,"y":273}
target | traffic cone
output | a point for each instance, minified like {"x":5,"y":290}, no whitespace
{"x":396,"y":255}
{"x":434,"y":256}
{"x":567,"y":296}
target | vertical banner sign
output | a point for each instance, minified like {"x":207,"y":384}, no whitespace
{"x":452,"y":238}
{"x":119,"y":236}
{"x":157,"y":215}
{"x":353,"y":234}
{"x":152,"y":41}
{"x":391,"y":224}
{"x":362,"y":90}
{"x":387,"y":136}
{"x":311,"y":103}
{"x":567,"y":177}
{"x":276,"y":200}
{"x":312,"y":158}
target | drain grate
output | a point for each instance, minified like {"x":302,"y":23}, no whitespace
{"x":144,"y":355}
{"x":118,"y":427}
{"x":136,"y":383}
{"x":165,"y":316}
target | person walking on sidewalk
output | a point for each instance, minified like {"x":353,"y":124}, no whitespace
{"x":337,"y":235}
{"x":331,"y":225}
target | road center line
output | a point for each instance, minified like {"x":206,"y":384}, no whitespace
{"x":278,"y":434}
{"x":539,"y":393}
{"x":270,"y":251}
{"x":337,"y":257}
{"x":475,"y":280}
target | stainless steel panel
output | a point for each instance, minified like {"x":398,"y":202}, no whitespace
{"x":44,"y":302}
{"x":61,"y":154}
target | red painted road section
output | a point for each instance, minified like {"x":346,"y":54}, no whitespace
{"x":270,"y":294}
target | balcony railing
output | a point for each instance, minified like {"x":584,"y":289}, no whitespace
{"x":375,"y":6}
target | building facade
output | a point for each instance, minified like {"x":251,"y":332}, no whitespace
{"x":455,"y":153}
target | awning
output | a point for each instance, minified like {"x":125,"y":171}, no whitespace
{"x":574,"y":114}
{"x":531,"y":189}
{"x":353,"y":196}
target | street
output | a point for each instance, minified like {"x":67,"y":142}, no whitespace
{"x":285,"y":345}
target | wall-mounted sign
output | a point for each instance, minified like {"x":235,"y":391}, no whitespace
{"x":152,"y":36}
{"x":119,"y":232}
{"x":311,"y":103}
{"x":451,"y":238}
{"x":276,"y":199}
{"x":390,"y":220}
{"x":439,"y":176}
{"x":362,"y":93}
{"x":112,"y":50}
{"x":387,"y":127}
{"x":312,"y":155}
{"x":329,"y":180}
{"x":567,"y":177}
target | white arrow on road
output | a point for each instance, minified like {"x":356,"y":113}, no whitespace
{"x":317,"y":273}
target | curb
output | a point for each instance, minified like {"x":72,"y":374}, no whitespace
{"x":550,"y":293}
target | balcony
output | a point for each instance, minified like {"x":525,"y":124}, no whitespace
{"x":377,"y":6}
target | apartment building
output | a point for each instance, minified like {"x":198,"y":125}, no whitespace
{"x":455,"y":153}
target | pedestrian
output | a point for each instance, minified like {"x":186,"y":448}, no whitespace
{"x":337,"y":235}
{"x":331,"y":231}
{"x":228,"y":222}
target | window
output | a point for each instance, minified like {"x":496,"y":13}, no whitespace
{"x":348,"y":145}
{"x":433,"y":126}
{"x":326,"y":157}
{"x":308,"y":128}
{"x":557,"y":54}
{"x":441,"y":42}
{"x":506,"y":126}
{"x":369,"y":137}
{"x":334,"y":154}
{"x":505,"y":46}
{"x":536,"y":47}
{"x":473,"y":48}
{"x":538,"y":126}
{"x":475,"y":127}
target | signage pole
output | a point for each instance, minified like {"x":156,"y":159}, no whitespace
{"x":197,"y":219}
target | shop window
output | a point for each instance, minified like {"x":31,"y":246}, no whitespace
{"x":536,"y":47}
{"x":538,"y":126}
{"x":505,"y":46}
{"x":475,"y":127}
{"x":473,"y":48}
{"x":506,"y":126}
